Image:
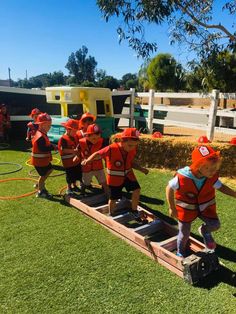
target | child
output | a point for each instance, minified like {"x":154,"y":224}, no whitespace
{"x":191,"y":194}
{"x":86,"y":120}
{"x":67,"y":148}
{"x":41,"y":153}
{"x":120,"y":161}
{"x":32,"y":126}
{"x":91,"y":143}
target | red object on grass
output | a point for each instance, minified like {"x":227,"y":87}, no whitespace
{"x":233,"y":141}
{"x":157,"y":135}
{"x":203,"y":139}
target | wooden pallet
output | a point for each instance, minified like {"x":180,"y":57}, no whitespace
{"x":152,"y":236}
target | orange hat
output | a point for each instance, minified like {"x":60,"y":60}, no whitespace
{"x":71,"y":124}
{"x":42,"y":118}
{"x":201,"y":154}
{"x":87,"y":115}
{"x":203,"y":139}
{"x":233,"y":141}
{"x":130,"y":133}
{"x":93,"y":129}
{"x":34,"y":111}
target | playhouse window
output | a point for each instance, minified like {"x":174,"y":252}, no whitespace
{"x":100,"y":107}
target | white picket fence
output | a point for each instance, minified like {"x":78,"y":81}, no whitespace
{"x":211,"y":113}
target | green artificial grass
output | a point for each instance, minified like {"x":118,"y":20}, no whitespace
{"x":53,"y":259}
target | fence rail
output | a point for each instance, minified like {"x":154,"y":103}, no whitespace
{"x":211,"y":113}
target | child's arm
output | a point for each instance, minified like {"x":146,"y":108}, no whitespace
{"x":227,"y":190}
{"x":137,"y":167}
{"x":171,"y":201}
{"x":94,"y":156}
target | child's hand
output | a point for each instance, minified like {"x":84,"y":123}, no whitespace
{"x":173,"y":212}
{"x":84,"y":162}
{"x":76,"y":158}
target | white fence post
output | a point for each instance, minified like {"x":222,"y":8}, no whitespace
{"x":212,"y":114}
{"x":131,"y":110}
{"x":150,"y":110}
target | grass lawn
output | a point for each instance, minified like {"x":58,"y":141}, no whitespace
{"x":55,"y":260}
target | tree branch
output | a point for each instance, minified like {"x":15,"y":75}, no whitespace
{"x":217,"y":26}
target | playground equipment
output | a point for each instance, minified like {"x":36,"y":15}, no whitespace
{"x":97,"y":101}
{"x":151,"y":235}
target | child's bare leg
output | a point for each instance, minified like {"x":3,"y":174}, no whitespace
{"x":111,"y":206}
{"x":42,"y":179}
{"x":135,"y":199}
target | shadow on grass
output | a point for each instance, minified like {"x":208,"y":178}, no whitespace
{"x":223,"y":275}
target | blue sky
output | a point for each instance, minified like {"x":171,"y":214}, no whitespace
{"x":38,"y":36}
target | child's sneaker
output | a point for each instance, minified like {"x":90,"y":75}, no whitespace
{"x":207,"y":239}
{"x":43,"y":194}
{"x":36,"y":185}
{"x":75,"y":189}
{"x":69,"y":192}
{"x":179,"y":255}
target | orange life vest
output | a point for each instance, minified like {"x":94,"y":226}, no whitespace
{"x":191,"y":202}
{"x":67,"y":159}
{"x":118,"y":167}
{"x":86,"y":151}
{"x":39,"y":158}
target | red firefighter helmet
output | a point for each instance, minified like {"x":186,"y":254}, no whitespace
{"x":132,"y":133}
{"x":71,"y":124}
{"x":43,"y":117}
{"x":93,"y":129}
{"x":233,"y":141}
{"x":34,"y":111}
{"x":157,"y":135}
{"x":203,"y":139}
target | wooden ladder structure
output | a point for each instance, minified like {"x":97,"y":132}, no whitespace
{"x":152,"y":236}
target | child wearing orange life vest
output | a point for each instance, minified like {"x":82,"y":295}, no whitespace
{"x":67,"y":148}
{"x":120,"y":161}
{"x":41,"y":153}
{"x":32,"y":125}
{"x":91,"y":143}
{"x":191,"y":194}
{"x":86,"y":120}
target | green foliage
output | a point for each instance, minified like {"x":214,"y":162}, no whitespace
{"x":81,"y":66}
{"x":43,"y":80}
{"x":164,"y":73}
{"x":56,"y":260}
{"x":129,"y":80}
{"x":218,"y":71}
{"x":109,"y":82}
{"x":190,"y":23}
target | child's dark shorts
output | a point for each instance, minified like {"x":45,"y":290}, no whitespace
{"x":116,"y":191}
{"x":42,"y":171}
{"x":73,"y":174}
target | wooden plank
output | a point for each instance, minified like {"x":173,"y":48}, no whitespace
{"x":126,"y":232}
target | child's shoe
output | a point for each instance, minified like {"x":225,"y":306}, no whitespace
{"x":207,"y":239}
{"x":179,"y":255}
{"x":75,"y":189}
{"x":69,"y":192}
{"x":43,"y":194}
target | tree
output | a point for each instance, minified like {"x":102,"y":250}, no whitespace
{"x":144,"y":84}
{"x":81,"y":66}
{"x":129,"y":80}
{"x":218,"y":71}
{"x":164,"y":73}
{"x":189,"y":21}
{"x":109,"y":82}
